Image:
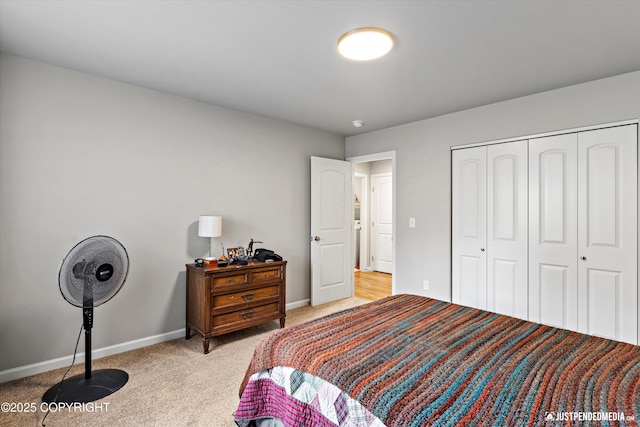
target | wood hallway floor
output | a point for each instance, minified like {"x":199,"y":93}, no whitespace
{"x":371,"y":285}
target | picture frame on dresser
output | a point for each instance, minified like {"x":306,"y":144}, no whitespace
{"x":235,"y":252}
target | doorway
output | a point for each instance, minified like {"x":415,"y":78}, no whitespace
{"x":374,"y":225}
{"x":332,"y":227}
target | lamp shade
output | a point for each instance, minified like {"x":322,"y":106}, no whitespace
{"x":210,"y":226}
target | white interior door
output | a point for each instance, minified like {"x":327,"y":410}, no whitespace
{"x":583,"y":232}
{"x":382,"y":223}
{"x":507,"y":229}
{"x":553,"y":289}
{"x":607,"y":233}
{"x":331,"y":230}
{"x":469,"y":227}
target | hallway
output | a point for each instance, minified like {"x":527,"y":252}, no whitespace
{"x":371,"y":285}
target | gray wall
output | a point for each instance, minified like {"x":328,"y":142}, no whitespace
{"x":81,"y":155}
{"x":423,"y":162}
{"x":69,"y":141}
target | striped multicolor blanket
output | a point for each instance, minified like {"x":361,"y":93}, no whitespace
{"x":416,"y":361}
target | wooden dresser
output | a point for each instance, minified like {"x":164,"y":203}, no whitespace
{"x":226,"y":299}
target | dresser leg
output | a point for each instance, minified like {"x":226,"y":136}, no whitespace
{"x":282,"y":319}
{"x":187,"y":333}
{"x":205,"y":345}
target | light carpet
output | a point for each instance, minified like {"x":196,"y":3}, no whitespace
{"x":170,"y":384}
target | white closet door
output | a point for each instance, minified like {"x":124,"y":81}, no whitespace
{"x":553,"y":290}
{"x":607,"y":233}
{"x":507,"y":236}
{"x":469,"y":228}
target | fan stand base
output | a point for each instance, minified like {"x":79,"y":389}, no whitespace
{"x":78,"y":389}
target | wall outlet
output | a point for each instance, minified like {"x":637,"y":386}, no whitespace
{"x":425,"y":285}
{"x":412,"y":223}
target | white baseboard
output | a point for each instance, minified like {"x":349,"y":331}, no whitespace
{"x":61,"y":362}
{"x":48,"y":365}
{"x":298,"y":304}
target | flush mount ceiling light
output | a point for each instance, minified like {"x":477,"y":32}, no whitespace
{"x":357,"y":123}
{"x":365,"y":44}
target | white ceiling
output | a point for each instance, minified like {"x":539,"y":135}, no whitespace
{"x":279,"y":58}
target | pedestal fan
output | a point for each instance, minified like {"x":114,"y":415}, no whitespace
{"x":91,"y":274}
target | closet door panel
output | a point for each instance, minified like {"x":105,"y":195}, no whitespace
{"x":471,"y":277}
{"x":469,"y":227}
{"x":502,"y":287}
{"x":507,"y":192}
{"x":607,"y":233}
{"x":604,"y":301}
{"x":552,"y":294}
{"x":553,"y":290}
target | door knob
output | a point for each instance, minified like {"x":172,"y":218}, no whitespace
{"x":481,"y":249}
{"x":317,"y":238}
{"x":584,"y":258}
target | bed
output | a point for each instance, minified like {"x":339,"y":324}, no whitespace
{"x":408,"y":360}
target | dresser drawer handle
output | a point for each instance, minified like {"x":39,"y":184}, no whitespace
{"x":248,"y":297}
{"x":247,"y":314}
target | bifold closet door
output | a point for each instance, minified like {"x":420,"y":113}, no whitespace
{"x":607,"y":233}
{"x":469,"y":227}
{"x":507,"y":237}
{"x":553,"y":227}
{"x":583,"y":232}
{"x":489,"y":268}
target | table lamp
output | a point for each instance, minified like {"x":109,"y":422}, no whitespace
{"x":210,"y":226}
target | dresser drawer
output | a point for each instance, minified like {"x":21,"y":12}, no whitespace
{"x":248,"y":315}
{"x":240,"y":278}
{"x":264,"y":274}
{"x":243,"y":297}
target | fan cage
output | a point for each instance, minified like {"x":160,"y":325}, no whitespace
{"x":78,"y":278}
